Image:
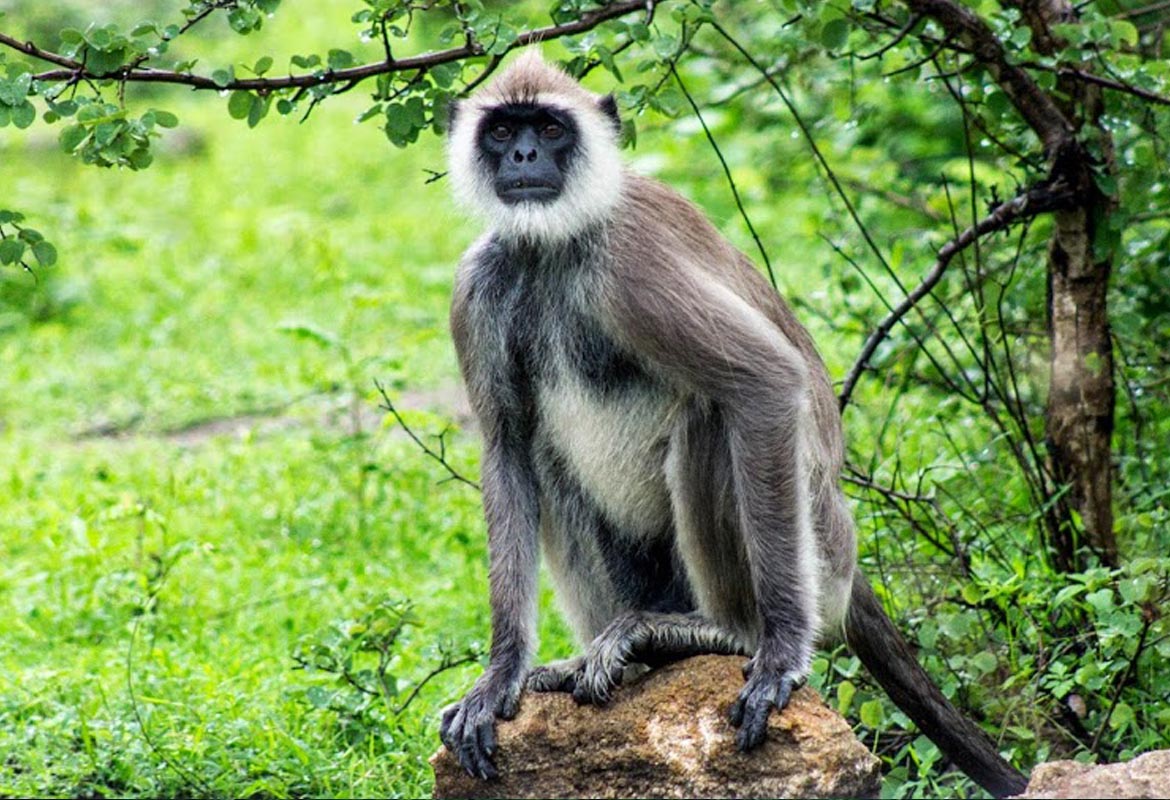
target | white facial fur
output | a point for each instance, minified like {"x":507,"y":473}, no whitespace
{"x":591,"y":188}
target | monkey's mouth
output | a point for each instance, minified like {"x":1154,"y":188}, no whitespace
{"x":520,"y":191}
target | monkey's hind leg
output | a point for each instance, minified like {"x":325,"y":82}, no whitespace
{"x":649,"y":638}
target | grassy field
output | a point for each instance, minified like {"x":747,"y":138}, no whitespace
{"x":197,"y":477}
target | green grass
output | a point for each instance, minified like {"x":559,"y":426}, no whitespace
{"x":158,"y":565}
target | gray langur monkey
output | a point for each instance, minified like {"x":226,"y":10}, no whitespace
{"x":655,"y":421}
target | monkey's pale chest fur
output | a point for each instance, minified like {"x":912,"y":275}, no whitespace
{"x":599,"y":413}
{"x":614,"y":444}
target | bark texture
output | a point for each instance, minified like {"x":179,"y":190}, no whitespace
{"x":1079,"y":418}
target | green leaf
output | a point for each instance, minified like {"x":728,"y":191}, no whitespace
{"x":222,"y":77}
{"x":835,"y":33}
{"x":104,"y":62}
{"x":872,"y":714}
{"x":240,"y":104}
{"x":340,"y":59}
{"x":845,"y":692}
{"x":14,"y":90}
{"x":24,"y":115}
{"x":444,"y":74}
{"x":1124,"y":32}
{"x":257,"y":112}
{"x":318,"y":696}
{"x":71,"y":137}
{"x":1021,"y":37}
{"x":983,"y":663}
{"x":1122,"y":716}
{"x":262,"y":65}
{"x":164,"y":119}
{"x":639,"y":31}
{"x":45,"y":253}
{"x":305,"y":331}
{"x":11,"y":250}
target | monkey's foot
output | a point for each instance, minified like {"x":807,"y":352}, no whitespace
{"x":766,"y":689}
{"x":604,"y":663}
{"x":468,"y":728}
{"x":556,"y":676}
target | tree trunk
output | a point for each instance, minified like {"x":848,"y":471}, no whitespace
{"x":1079,"y":417}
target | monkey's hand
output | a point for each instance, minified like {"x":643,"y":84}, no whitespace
{"x":468,"y":728}
{"x":767,"y":687}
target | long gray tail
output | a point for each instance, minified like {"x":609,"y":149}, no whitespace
{"x":873,"y":638}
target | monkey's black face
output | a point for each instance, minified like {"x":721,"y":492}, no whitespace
{"x":527,"y":149}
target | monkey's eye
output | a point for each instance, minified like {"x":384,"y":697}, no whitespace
{"x":501,"y":133}
{"x":552,"y":131}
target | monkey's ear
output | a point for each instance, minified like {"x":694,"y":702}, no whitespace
{"x":608,"y":106}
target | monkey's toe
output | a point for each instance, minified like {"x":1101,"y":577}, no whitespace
{"x":559,"y":676}
{"x":764,"y":691}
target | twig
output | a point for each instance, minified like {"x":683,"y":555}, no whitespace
{"x":76,"y":70}
{"x":1148,"y":619}
{"x":1029,"y":204}
{"x":440,"y":456}
{"x":443,"y":667}
{"x":727,"y":173}
{"x":806,"y":132}
{"x":898,"y":37}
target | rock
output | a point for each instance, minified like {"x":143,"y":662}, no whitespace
{"x":667,"y":735}
{"x":1145,"y":776}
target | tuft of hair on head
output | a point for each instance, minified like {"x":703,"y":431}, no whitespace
{"x":593,"y":184}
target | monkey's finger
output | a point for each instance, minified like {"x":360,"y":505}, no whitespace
{"x":473,"y":760}
{"x":751,"y":735}
{"x":509,"y":706}
{"x":487,"y":738}
{"x":472,"y":754}
{"x":755,"y":721}
{"x":447,"y":728}
{"x":486,"y":745}
{"x":783,"y":692}
{"x":735,"y":713}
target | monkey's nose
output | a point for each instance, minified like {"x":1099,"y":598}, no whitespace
{"x":519,"y":157}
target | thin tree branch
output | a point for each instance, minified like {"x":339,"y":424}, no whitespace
{"x":726,"y":172}
{"x":1035,"y":201}
{"x":74,"y":70}
{"x":1033,"y":104}
{"x":440,"y":456}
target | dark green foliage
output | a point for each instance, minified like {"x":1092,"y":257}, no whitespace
{"x":367,"y":693}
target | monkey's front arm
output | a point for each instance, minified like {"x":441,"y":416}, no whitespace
{"x":468,"y":728}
